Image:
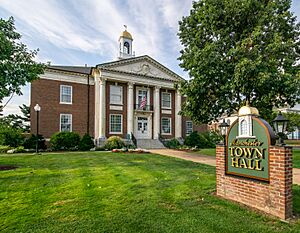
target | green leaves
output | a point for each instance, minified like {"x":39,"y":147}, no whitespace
{"x":238,"y":50}
{"x":17,"y":65}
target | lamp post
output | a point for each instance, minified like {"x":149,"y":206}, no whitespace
{"x":280,"y":124}
{"x":224,"y":128}
{"x":37,"y":109}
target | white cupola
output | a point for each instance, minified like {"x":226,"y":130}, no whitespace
{"x":245,"y":115}
{"x":125,"y":45}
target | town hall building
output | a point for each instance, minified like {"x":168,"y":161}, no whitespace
{"x":132,"y":97}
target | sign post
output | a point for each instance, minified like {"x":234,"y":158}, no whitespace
{"x":253,"y":170}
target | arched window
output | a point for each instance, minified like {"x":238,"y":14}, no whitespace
{"x":243,"y":125}
{"x":126,"y":47}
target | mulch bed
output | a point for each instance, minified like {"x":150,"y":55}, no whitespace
{"x":7,"y":167}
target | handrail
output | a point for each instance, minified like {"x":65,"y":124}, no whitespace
{"x":133,"y":139}
{"x":160,"y":138}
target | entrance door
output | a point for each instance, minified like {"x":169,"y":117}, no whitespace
{"x":142,"y":127}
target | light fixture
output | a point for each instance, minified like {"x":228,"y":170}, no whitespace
{"x":224,"y":129}
{"x":280,"y":125}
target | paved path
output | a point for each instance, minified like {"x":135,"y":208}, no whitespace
{"x":209,"y":160}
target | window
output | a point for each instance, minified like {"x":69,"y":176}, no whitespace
{"x":244,"y":130}
{"x":65,"y":94}
{"x":189,"y":127}
{"x":166,"y":100}
{"x":66,"y":122}
{"x":166,"y":125}
{"x":115,"y":123}
{"x":126,"y":47}
{"x":142,"y":97}
{"x":116,"y":94}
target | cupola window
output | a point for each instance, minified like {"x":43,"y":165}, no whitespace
{"x":126,"y":47}
{"x":244,"y":128}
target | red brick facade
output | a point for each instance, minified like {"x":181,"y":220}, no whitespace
{"x":46,"y":93}
{"x":274,"y":198}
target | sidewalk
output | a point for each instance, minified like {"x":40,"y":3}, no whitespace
{"x":209,"y":160}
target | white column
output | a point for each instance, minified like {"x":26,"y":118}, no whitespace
{"x":156,"y":116}
{"x":178,"y":119}
{"x":97,"y":104}
{"x":102,"y":108}
{"x":130,"y":108}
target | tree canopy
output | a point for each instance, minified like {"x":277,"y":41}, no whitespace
{"x":238,"y":51}
{"x":16,"y":121}
{"x":17,"y":65}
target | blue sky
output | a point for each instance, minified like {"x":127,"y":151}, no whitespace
{"x":74,"y":32}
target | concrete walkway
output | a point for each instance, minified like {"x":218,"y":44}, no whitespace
{"x":209,"y":160}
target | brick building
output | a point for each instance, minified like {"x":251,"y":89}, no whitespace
{"x":129,"y":96}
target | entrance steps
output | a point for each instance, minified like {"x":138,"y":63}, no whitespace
{"x":149,"y":144}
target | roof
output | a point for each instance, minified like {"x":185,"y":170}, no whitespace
{"x":76,"y":69}
{"x":133,"y":59}
{"x":126,"y":34}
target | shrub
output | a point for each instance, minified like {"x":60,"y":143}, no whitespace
{"x":86,"y":143}
{"x":10,"y":136}
{"x":30,"y":143}
{"x":19,"y":149}
{"x":206,"y":140}
{"x":4,"y":149}
{"x":114,"y":142}
{"x":172,"y":144}
{"x":215,"y":137}
{"x":193,"y":140}
{"x":65,"y":141}
{"x":100,"y":148}
{"x":203,"y":140}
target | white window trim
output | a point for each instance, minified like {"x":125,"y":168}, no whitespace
{"x":137,"y":94}
{"x":170,"y":94}
{"x":121,"y":95}
{"x":162,"y":132}
{"x":110,"y":132}
{"x":186,"y":133}
{"x":60,"y":94}
{"x":71,"y":128}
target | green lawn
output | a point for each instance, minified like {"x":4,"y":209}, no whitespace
{"x":108,"y":192}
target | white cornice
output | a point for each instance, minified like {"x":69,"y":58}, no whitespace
{"x":67,"y":77}
{"x":116,"y":76}
{"x":141,"y":58}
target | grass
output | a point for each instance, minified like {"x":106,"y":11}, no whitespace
{"x":108,"y":192}
{"x":209,"y":152}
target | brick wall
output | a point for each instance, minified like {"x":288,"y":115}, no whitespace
{"x":46,"y":93}
{"x":274,"y":198}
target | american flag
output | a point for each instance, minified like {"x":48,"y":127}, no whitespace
{"x":143,"y":102}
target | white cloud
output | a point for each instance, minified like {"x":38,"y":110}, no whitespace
{"x":71,"y":28}
{"x":53,"y":22}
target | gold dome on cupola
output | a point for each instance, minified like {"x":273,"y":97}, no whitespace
{"x":126,"y":34}
{"x":247,"y":110}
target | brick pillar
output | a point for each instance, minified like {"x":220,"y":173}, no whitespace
{"x":274,"y":198}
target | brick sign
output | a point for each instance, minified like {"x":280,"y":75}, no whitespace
{"x":247,"y":150}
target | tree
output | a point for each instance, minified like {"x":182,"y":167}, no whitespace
{"x":19,"y":122}
{"x":238,"y":51}
{"x":294,"y":121}
{"x":17,"y":65}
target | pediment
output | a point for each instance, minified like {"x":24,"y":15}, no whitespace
{"x":144,"y":65}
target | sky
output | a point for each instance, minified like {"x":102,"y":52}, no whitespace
{"x":74,"y":32}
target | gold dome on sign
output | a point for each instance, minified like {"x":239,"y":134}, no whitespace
{"x":126,"y":34}
{"x":247,"y":110}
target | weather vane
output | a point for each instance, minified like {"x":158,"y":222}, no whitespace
{"x":125,"y":26}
